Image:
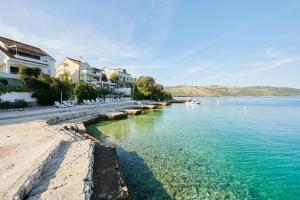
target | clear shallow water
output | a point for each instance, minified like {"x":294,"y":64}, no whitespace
{"x":213,"y":151}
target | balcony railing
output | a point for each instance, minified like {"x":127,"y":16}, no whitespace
{"x":42,"y":61}
{"x":9,"y":75}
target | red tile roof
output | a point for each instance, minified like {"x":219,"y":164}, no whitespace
{"x":75,"y":61}
{"x":21,"y":45}
{"x":6,"y":52}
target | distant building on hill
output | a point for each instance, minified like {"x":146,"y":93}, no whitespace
{"x":82,"y":71}
{"x":14,"y":54}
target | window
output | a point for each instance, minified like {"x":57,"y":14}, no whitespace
{"x":14,"y":70}
{"x":29,"y":55}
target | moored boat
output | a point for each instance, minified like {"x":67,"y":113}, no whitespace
{"x":192,"y":101}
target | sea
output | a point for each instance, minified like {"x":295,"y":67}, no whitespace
{"x":224,"y":148}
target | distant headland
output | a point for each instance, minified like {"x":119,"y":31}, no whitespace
{"x":216,"y":90}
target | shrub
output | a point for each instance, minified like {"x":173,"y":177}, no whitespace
{"x":27,"y":72}
{"x":19,"y":103}
{"x":3,"y":81}
{"x":85,"y":91}
{"x":47,"y":90}
{"x":13,"y":88}
{"x":102,"y":92}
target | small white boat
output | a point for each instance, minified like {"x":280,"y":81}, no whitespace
{"x":192,"y":101}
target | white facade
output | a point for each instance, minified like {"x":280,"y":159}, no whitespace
{"x":122,"y":73}
{"x":126,"y":91}
{"x":14,"y":55}
{"x":82,"y":71}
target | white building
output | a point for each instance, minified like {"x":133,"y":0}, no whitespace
{"x":14,"y":54}
{"x":82,"y":71}
{"x":124,"y":77}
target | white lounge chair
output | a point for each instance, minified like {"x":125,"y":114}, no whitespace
{"x":98,"y":101}
{"x":102,"y":100}
{"x":85,"y":102}
{"x":58,"y":105}
{"x":72,"y":102}
{"x":66,"y":103}
{"x":89,"y":102}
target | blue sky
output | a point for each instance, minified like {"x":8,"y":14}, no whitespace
{"x":232,"y":42}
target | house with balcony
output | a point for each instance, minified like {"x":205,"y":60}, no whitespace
{"x":82,"y":71}
{"x":14,"y":55}
{"x":125,"y":78}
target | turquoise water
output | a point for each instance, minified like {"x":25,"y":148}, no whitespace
{"x":239,"y":148}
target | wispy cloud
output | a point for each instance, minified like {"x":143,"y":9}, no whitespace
{"x":99,"y":48}
{"x":196,"y":68}
{"x":266,"y":60}
{"x":209,"y":43}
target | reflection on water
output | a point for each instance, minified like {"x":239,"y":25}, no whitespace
{"x":218,"y":150}
{"x":122,"y":129}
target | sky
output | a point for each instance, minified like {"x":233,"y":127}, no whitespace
{"x":200,"y":42}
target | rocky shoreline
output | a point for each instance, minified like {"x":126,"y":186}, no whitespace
{"x":41,"y":158}
{"x":49,"y":155}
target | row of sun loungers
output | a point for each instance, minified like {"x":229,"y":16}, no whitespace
{"x":64,"y":104}
{"x":69,"y":103}
{"x":102,"y":101}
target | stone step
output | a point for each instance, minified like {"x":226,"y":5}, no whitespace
{"x":133,"y":111}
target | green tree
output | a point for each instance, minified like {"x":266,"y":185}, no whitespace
{"x":147,"y":88}
{"x":145,"y":85}
{"x":3,"y":88}
{"x":3,"y":81}
{"x":85,"y":91}
{"x":114,"y":78}
{"x":27,"y":72}
{"x":66,"y":84}
{"x":47,"y":90}
{"x":102,"y":92}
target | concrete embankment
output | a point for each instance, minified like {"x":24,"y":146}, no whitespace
{"x":133,"y":111}
{"x":24,"y":151}
{"x":107,"y":178}
{"x":44,"y":155}
{"x":108,"y":182}
{"x":40,"y":158}
{"x":66,"y":175}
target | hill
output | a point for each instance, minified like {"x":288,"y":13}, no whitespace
{"x":215,"y":90}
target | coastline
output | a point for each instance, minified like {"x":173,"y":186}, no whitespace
{"x":57,"y":130}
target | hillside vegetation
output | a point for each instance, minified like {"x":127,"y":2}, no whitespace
{"x":214,"y":90}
